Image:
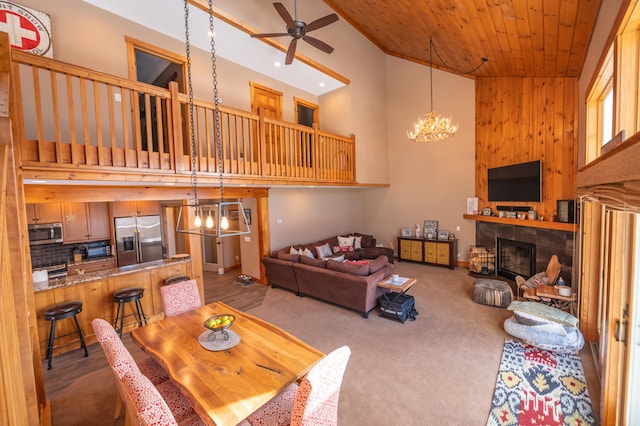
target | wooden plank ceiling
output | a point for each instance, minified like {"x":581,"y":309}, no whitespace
{"x":520,"y":38}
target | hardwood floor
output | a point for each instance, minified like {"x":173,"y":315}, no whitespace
{"x":71,"y":365}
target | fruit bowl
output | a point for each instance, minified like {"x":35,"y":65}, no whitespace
{"x":219,"y":323}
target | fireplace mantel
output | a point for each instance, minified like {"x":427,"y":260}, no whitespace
{"x":558,"y":226}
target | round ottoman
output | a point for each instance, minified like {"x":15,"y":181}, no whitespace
{"x":492,"y":292}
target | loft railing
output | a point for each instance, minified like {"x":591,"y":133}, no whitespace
{"x":73,"y":118}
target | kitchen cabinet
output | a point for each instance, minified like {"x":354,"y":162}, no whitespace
{"x":91,"y":266}
{"x":84,"y":222}
{"x":431,"y":252}
{"x":44,"y":213}
{"x":135,"y":208}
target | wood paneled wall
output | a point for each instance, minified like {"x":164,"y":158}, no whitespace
{"x":526,"y":119}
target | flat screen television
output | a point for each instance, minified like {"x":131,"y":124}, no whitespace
{"x":515,"y":182}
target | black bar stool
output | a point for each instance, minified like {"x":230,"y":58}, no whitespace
{"x":60,"y":311}
{"x":122,"y":297}
{"x":176,"y":279}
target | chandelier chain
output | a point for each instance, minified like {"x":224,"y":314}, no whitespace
{"x":194,"y":177}
{"x":216,"y":99}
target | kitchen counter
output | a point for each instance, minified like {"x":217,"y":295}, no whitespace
{"x":104,"y":274}
{"x":95,"y":289}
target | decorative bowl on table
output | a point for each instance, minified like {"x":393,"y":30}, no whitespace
{"x":219,"y":323}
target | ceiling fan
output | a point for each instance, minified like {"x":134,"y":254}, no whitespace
{"x":298,"y":29}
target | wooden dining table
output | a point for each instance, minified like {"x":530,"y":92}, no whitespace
{"x":225,"y":386}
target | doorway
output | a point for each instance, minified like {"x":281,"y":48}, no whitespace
{"x":158,"y":67}
{"x":306,"y":115}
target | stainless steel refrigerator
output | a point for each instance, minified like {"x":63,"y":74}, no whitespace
{"x":138,"y":239}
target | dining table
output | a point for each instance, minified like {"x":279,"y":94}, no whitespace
{"x":226,"y":378}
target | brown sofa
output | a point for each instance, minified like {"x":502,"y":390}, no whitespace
{"x":351,"y":285}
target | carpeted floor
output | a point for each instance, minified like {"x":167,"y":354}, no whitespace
{"x":439,"y":369}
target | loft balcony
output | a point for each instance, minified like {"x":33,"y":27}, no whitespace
{"x":74,"y":123}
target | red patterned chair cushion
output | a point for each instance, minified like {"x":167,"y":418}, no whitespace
{"x":145,"y":405}
{"x":276,"y":412}
{"x":180,"y":297}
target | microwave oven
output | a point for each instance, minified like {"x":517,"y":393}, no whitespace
{"x":45,"y":233}
{"x":97,"y":250}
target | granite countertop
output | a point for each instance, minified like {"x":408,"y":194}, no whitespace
{"x":104,"y":274}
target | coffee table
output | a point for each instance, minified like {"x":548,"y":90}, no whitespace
{"x":400,"y":288}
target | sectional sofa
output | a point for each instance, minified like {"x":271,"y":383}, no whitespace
{"x":345,"y":277}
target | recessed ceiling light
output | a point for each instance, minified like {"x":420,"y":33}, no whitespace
{"x":321,"y":84}
{"x":277,"y":64}
{"x":38,"y":181}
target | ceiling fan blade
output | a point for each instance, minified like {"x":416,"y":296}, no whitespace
{"x":284,"y":14}
{"x":269,"y":35}
{"x":291,"y":52}
{"x":318,"y":44}
{"x":322,"y":22}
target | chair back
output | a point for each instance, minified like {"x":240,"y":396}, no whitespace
{"x":145,"y":405}
{"x":180,"y":297}
{"x":316,"y":401}
{"x":553,"y":269}
{"x":118,"y":356}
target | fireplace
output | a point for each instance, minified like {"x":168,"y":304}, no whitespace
{"x":515,"y":258}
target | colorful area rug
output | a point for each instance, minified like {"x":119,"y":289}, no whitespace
{"x":539,"y":387}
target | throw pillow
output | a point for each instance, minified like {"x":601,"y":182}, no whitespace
{"x":367,"y":240}
{"x":308,"y":253}
{"x":346,"y":241}
{"x":349,"y":268}
{"x":536,"y":280}
{"x":357,"y":242}
{"x":547,"y":312}
{"x":378,"y":263}
{"x":342,"y":249}
{"x":319,"y":263}
{"x":337,"y":258}
{"x":323,"y":250}
{"x":293,"y":250}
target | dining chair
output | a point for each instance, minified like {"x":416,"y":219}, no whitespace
{"x":313,"y":402}
{"x":180,"y":297}
{"x":147,"y":406}
{"x":121,"y":361}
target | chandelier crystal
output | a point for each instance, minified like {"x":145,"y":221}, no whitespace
{"x":432,"y":127}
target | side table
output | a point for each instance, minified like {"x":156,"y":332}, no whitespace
{"x":400,"y":288}
{"x":549,"y":295}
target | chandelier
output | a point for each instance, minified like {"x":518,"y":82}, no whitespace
{"x":432,"y":127}
{"x":209,"y":218}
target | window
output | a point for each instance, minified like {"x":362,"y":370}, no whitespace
{"x":607,"y":117}
{"x":600,"y":110}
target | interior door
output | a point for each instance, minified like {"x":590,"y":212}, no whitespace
{"x":268,"y":102}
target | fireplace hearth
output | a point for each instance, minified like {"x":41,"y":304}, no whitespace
{"x":515,"y":258}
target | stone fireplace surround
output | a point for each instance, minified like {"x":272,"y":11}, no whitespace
{"x":548,"y":242}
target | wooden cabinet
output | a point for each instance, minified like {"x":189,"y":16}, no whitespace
{"x":135,"y":208}
{"x":91,"y":266}
{"x":44,"y":213}
{"x":431,"y":252}
{"x":85,"y":222}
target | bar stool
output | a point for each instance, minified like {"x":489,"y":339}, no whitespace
{"x":122,"y":297}
{"x":60,"y":311}
{"x":176,"y":279}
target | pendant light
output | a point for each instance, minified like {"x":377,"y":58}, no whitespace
{"x":216,"y":223}
{"x":432,"y":127}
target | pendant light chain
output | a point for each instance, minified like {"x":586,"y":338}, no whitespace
{"x":216,"y":99}
{"x":431,"y":70}
{"x":194,"y":177}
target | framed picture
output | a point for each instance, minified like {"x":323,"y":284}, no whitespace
{"x":443,"y":235}
{"x":532,"y":215}
{"x":431,"y":229}
{"x":233,"y":214}
{"x":247,"y":214}
{"x":487,"y":211}
{"x":406,"y":232}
